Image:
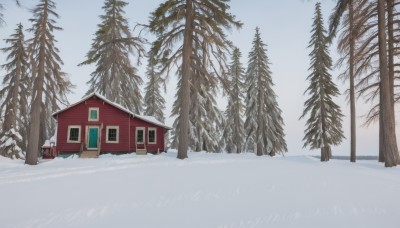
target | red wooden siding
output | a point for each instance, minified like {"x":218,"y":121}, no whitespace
{"x":159,"y":146}
{"x":108,"y":116}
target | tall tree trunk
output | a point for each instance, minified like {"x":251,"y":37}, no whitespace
{"x":325,"y":153}
{"x":35,"y":123}
{"x":381,"y":141}
{"x":259,"y":137}
{"x":186,"y":73}
{"x":389,"y":134}
{"x":390,"y":44}
{"x":390,"y":8}
{"x":352,"y":93}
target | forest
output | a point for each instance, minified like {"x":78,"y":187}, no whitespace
{"x":188,"y":40}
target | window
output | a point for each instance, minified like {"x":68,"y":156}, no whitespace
{"x":152,"y":136}
{"x":112,"y":134}
{"x":140,"y":135}
{"x":74,"y":134}
{"x":93,"y":114}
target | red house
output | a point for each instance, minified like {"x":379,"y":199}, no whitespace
{"x":95,"y":125}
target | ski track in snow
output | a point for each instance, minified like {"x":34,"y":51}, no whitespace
{"x":206,"y":190}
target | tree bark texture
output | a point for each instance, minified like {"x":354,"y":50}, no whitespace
{"x":185,"y":91}
{"x":259,"y":137}
{"x":381,"y":129}
{"x":32,"y":152}
{"x":387,"y":111}
{"x":390,"y":23}
{"x":326,"y":153}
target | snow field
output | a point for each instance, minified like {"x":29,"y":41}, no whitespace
{"x":206,"y":190}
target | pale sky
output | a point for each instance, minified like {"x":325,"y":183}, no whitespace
{"x":284,"y":25}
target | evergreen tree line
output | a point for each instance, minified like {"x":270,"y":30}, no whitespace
{"x":37,"y":86}
{"x":368,"y":44}
{"x":202,"y":58}
{"x":192,"y":44}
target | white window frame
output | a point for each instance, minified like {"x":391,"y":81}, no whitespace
{"x":69,"y":132}
{"x":98,"y":114}
{"x":144,"y":135}
{"x":155,"y":135}
{"x":117,"y":136}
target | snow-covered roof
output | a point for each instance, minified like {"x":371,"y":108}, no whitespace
{"x":153,"y":120}
{"x":149,"y":119}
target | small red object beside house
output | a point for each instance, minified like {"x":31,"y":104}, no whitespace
{"x":49,"y":150}
{"x":95,"y":124}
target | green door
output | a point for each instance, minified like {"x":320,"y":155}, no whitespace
{"x":93,"y":137}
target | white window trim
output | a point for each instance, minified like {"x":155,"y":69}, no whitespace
{"x":144,"y":135}
{"x":117,"y":136}
{"x":155,"y":135}
{"x":98,"y":114}
{"x":69,"y":132}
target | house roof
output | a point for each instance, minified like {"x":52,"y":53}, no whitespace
{"x":149,"y":119}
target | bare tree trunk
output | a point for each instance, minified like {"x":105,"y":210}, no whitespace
{"x":185,"y":91}
{"x":352,"y":93}
{"x":381,"y":141}
{"x":390,"y":8}
{"x":323,"y":154}
{"x":35,"y":123}
{"x":389,"y":135}
{"x":259,"y":137}
{"x":391,"y":53}
{"x":382,"y":149}
{"x":326,"y":153}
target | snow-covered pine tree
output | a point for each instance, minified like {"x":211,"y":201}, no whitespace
{"x":198,"y":23}
{"x":50,"y":84}
{"x":115,"y":77}
{"x":14,"y":93}
{"x":234,"y":134}
{"x":324,"y":124}
{"x":153,"y":99}
{"x":264,"y":123}
{"x":175,"y":112}
{"x":205,"y":119}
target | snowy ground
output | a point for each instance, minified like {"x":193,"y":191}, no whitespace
{"x":206,"y":190}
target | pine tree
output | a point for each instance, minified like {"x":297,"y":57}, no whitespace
{"x":50,"y":84}
{"x":205,"y":118}
{"x":199,"y":23}
{"x":324,"y":125}
{"x":15,"y":93}
{"x":234,"y":127}
{"x":115,"y":77}
{"x":264,"y":123}
{"x":155,"y":102}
